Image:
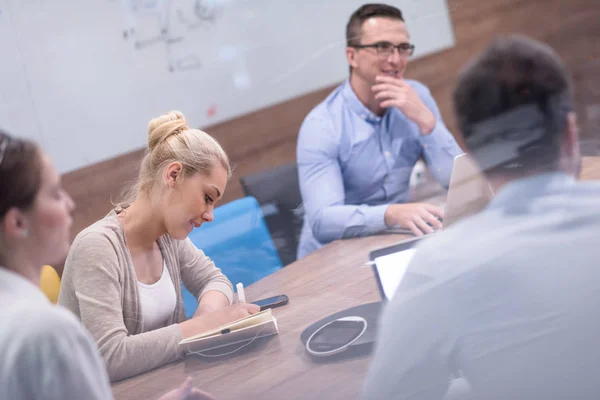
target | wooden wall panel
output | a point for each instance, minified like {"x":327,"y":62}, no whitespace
{"x":267,"y":138}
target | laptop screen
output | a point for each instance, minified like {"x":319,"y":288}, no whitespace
{"x":391,"y":263}
{"x":391,"y":269}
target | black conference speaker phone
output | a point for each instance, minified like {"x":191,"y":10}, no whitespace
{"x":346,"y":333}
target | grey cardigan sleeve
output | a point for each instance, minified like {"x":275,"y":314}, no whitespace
{"x":199,"y":273}
{"x":93,"y":289}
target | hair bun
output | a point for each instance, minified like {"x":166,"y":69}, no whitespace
{"x":163,"y":127}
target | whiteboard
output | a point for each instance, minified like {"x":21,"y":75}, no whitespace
{"x":85,"y":77}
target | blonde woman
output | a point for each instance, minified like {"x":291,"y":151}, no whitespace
{"x":46,"y":354}
{"x":123,"y":274}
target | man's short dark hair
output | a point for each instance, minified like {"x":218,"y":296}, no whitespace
{"x":515,"y":72}
{"x":366,"y":11}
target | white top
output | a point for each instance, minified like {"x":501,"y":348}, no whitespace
{"x":509,"y":297}
{"x":46,"y":354}
{"x":157,"y":301}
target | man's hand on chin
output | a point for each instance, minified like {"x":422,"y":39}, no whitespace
{"x":394,"y":92}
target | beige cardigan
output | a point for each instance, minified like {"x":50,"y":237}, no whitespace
{"x":99,"y":285}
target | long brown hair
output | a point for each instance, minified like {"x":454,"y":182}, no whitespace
{"x":20,"y":173}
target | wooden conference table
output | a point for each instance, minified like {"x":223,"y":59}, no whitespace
{"x":328,"y":280}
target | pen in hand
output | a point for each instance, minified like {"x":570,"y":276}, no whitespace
{"x":240,"y":292}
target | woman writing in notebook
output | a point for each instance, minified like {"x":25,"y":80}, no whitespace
{"x":123,"y":274}
{"x":46,"y":354}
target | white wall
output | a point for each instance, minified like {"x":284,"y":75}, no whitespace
{"x":72,"y":76}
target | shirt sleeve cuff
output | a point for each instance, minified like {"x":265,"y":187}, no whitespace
{"x":220,"y":287}
{"x":375,"y":218}
{"x":435,"y":136}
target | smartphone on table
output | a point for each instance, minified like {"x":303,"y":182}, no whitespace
{"x":272,"y":302}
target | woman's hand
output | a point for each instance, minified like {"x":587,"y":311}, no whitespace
{"x":214,"y":319}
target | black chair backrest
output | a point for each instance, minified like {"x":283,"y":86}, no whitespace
{"x":278,"y":189}
{"x":276,"y":185}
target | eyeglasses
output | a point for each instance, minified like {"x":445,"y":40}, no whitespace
{"x":3,"y":146}
{"x":386,"y":49}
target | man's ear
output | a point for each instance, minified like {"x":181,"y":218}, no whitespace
{"x":173,"y":173}
{"x":570,"y":152}
{"x":14,"y":223}
{"x":351,"y":56}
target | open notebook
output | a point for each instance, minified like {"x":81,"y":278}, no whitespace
{"x":243,"y":330}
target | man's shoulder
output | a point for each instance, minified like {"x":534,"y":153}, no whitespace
{"x":452,"y":251}
{"x":438,"y":249}
{"x":582,"y":203}
{"x":588,"y":189}
{"x":471,"y":241}
{"x":325,"y":110}
{"x":321,"y":122}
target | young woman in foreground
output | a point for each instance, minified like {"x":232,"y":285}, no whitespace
{"x":123,"y":274}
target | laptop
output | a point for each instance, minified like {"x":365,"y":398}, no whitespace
{"x":390,"y":265}
{"x":468,"y":193}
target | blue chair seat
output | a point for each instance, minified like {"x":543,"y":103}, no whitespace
{"x":238,"y":242}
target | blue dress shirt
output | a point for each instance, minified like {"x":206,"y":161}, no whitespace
{"x":353,"y":163}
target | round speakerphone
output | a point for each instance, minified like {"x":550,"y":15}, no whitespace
{"x":336,"y":336}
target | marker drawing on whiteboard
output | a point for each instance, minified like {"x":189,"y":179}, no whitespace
{"x":148,"y":23}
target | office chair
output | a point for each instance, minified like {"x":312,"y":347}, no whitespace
{"x":50,"y":283}
{"x":278,"y":192}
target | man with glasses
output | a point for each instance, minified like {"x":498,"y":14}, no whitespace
{"x":356,"y":150}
